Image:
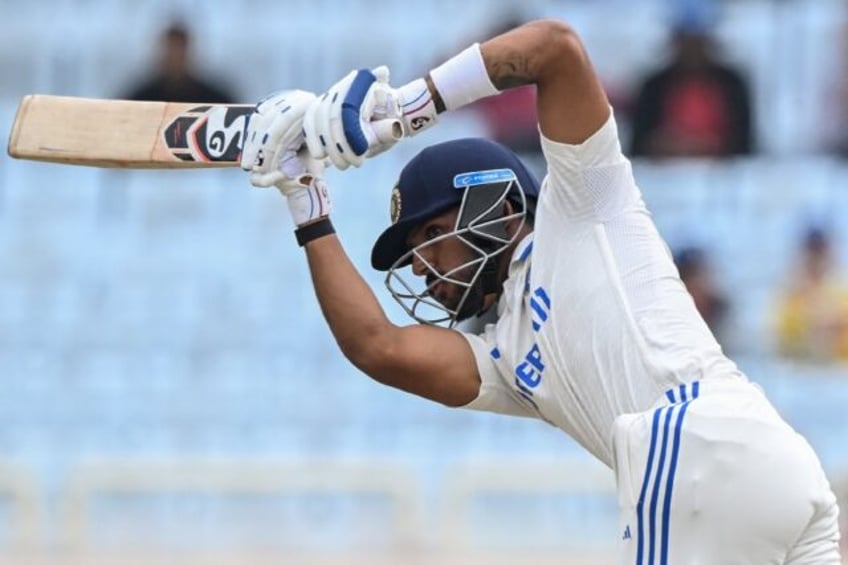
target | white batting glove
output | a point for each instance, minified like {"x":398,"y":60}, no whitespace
{"x":274,"y":135}
{"x":273,"y":154}
{"x":306,"y":193}
{"x":360,"y":116}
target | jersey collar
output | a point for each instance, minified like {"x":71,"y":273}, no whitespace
{"x":520,"y":257}
{"x":522,"y":252}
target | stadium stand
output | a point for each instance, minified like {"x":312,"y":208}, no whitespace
{"x":168,"y":385}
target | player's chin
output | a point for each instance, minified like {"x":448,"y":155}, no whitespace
{"x":450,"y":297}
{"x":450,"y":300}
{"x":471,"y":306}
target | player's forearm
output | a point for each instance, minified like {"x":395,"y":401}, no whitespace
{"x":549,"y":54}
{"x":534,"y":53}
{"x":427,"y":361}
{"x":352,"y":311}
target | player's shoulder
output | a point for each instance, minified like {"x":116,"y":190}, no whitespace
{"x":601,"y":148}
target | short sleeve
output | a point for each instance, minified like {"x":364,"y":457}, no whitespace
{"x":496,"y":394}
{"x":592,"y":181}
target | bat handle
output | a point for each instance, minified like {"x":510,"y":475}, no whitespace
{"x":387,"y":131}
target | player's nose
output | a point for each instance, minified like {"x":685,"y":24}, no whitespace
{"x":419,"y":267}
{"x":424,"y":261}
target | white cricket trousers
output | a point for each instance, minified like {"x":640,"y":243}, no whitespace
{"x":712,"y":475}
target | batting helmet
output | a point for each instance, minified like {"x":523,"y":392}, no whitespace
{"x":476,"y":175}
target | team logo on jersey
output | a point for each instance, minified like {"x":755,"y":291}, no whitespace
{"x":530,"y":371}
{"x":395,"y":205}
{"x":208,"y":133}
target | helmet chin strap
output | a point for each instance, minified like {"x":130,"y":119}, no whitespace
{"x":487,"y":282}
{"x":489,"y":276}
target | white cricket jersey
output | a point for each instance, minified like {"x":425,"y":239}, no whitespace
{"x":594,"y":321}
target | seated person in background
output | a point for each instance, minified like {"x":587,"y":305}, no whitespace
{"x":835,"y":124}
{"x":812,"y":319}
{"x":511,"y":119}
{"x":175,"y":79}
{"x":696,"y":273}
{"x":696,"y":105}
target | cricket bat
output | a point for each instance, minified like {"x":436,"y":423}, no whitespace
{"x":136,"y":135}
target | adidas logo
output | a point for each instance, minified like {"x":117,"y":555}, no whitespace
{"x":626,"y":532}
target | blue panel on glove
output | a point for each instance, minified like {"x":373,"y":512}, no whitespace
{"x":351,"y":109}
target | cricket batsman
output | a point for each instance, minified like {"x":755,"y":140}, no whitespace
{"x":595,"y":333}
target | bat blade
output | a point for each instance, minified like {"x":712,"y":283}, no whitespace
{"x":128,"y":134}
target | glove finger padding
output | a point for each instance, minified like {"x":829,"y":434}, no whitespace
{"x":315,"y":143}
{"x":330,"y":128}
{"x":250,"y":151}
{"x":274,"y":129}
{"x":270,"y":167}
{"x":339,"y":125}
{"x":318,"y":127}
{"x":354,"y":116}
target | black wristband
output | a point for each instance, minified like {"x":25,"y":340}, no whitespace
{"x":307,"y":233}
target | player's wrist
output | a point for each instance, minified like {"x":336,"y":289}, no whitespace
{"x":313,"y":230}
{"x":463,"y":79}
{"x":308,"y":202}
{"x":417,"y":106}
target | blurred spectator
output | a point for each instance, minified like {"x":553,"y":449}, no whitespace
{"x":175,"y":79}
{"x":511,"y":119}
{"x":835,"y":125}
{"x":812,"y":319}
{"x":695,"y":105}
{"x":696,"y":273}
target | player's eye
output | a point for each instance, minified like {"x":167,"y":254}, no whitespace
{"x":432,"y":232}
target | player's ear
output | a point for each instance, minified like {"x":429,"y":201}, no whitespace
{"x":509,"y":208}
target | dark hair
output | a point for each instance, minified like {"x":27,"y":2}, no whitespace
{"x":177,"y":31}
{"x":689,"y":260}
{"x":816,"y":239}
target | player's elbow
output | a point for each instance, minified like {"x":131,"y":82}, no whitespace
{"x":561,"y":48}
{"x":370,"y":351}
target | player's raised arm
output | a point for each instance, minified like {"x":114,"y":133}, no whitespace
{"x":571,"y":102}
{"x":429,"y":361}
{"x":349,"y":123}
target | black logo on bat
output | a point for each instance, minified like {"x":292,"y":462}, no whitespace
{"x":208,"y":133}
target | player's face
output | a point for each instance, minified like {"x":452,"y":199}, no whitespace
{"x":441,"y":256}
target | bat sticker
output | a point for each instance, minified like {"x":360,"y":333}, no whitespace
{"x":208,"y":133}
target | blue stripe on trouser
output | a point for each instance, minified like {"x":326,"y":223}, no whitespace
{"x":666,"y":514}
{"x":655,"y":494}
{"x":649,"y":472}
{"x":640,"y":504}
